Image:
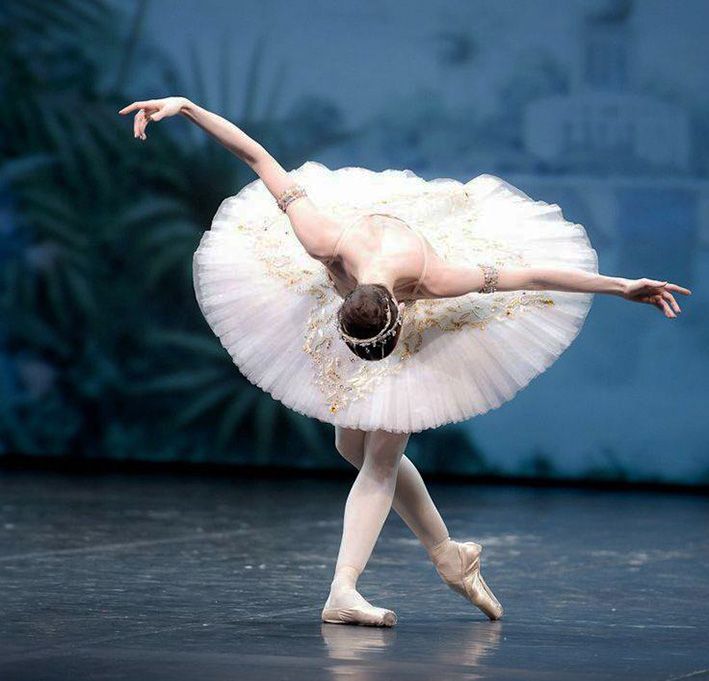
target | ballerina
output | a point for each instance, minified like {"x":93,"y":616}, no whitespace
{"x":385,"y":304}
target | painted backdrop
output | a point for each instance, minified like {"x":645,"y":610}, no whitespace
{"x":601,"y":107}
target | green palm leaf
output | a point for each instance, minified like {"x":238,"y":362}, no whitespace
{"x":202,"y":344}
{"x":235,"y":414}
{"x":181,"y":380}
{"x":209,"y":399}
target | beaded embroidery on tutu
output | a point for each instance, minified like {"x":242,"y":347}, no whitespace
{"x":274,"y":308}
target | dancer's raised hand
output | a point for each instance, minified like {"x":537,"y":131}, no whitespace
{"x":657,"y":293}
{"x":152,"y":110}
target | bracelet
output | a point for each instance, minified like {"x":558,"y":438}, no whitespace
{"x":287,"y":196}
{"x":491,"y":274}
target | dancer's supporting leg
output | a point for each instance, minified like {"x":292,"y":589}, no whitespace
{"x":411,"y":500}
{"x":457,"y":563}
{"x":367,"y":507}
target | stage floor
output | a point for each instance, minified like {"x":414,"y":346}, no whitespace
{"x":163,"y":577}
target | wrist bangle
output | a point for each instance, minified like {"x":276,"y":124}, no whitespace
{"x":287,"y":196}
{"x":491,"y":274}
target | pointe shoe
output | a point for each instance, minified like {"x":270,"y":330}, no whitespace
{"x":363,"y":614}
{"x":470,"y":582}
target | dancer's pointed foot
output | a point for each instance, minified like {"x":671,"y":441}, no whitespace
{"x":458,"y":564}
{"x":345,"y":605}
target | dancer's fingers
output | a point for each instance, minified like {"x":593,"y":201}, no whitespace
{"x":671,"y":300}
{"x":134,"y":106}
{"x":143,"y":125}
{"x":666,"y":308}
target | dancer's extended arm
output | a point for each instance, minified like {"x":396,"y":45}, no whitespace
{"x":448,"y":281}
{"x":317,"y":232}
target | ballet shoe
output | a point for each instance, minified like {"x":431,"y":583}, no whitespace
{"x":358,"y":611}
{"x":462,"y":574}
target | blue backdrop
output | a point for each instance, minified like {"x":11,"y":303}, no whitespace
{"x":598,"y":106}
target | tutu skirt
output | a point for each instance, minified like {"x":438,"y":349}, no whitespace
{"x":273,"y":308}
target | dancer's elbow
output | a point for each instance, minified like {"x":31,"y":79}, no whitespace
{"x":450,"y":281}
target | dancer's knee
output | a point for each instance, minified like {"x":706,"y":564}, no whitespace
{"x":383,"y":452}
{"x":383,"y":471}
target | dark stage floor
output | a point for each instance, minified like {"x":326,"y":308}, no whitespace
{"x":158,"y":577}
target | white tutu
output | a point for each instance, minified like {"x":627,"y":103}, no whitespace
{"x":274,"y":309}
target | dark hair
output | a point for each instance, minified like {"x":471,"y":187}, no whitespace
{"x":363,"y":314}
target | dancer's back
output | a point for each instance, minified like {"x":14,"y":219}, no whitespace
{"x":381,"y":244}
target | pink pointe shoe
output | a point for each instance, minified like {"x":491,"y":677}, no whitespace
{"x":462,"y":574}
{"x":354,"y":609}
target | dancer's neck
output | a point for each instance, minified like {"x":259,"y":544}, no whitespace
{"x":377,"y":278}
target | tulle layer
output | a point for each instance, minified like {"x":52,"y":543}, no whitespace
{"x":273,"y":308}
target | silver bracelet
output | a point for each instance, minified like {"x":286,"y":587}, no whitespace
{"x":287,"y":196}
{"x":491,"y":275}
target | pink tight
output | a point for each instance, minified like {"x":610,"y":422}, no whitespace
{"x":387,"y":478}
